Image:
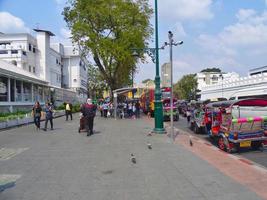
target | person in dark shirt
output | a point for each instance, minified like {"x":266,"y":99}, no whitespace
{"x":137,"y":109}
{"x":48,"y":115}
{"x":89,"y":110}
{"x":36,"y":112}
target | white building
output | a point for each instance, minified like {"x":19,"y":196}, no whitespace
{"x":253,"y":85}
{"x":32,"y":65}
{"x":166,"y":75}
{"x":205,"y":79}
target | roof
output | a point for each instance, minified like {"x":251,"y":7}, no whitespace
{"x":243,"y":102}
{"x":41,"y":30}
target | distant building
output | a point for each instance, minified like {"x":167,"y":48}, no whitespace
{"x":211,"y":78}
{"x":234,"y":87}
{"x":31,"y":68}
{"x":258,"y":70}
{"x":166,"y":75}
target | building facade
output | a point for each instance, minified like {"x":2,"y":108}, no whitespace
{"x":253,"y":85}
{"x":31,"y":69}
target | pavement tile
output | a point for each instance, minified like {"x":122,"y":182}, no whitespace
{"x":63,"y":164}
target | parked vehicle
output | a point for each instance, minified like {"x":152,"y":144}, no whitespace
{"x":147,"y":101}
{"x":236,"y":124}
{"x":167,"y":110}
{"x":198,"y":121}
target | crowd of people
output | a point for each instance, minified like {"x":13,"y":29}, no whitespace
{"x":88,"y":112}
{"x":124,"y":109}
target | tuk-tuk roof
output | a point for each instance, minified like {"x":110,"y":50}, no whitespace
{"x":242,"y":102}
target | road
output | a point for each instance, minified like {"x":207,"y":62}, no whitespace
{"x":259,"y":157}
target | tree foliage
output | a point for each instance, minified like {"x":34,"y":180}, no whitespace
{"x":108,"y":30}
{"x":214,"y":69}
{"x":186,"y":87}
{"x":96,"y":83}
{"x":147,"y":80}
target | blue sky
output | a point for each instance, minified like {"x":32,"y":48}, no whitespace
{"x":229,"y":34}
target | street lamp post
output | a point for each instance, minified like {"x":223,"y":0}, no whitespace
{"x":157,"y":102}
{"x":221,"y":75}
{"x":172,"y":43}
{"x":154,"y":54}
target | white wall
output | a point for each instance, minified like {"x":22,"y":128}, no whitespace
{"x":244,"y":86}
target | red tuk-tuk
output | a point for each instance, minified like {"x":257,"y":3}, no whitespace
{"x":237,"y":124}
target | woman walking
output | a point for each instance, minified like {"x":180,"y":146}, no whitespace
{"x":48,"y":115}
{"x":36,"y":112}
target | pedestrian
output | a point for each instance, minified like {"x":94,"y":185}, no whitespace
{"x":68,"y":110}
{"x":188,"y":115}
{"x":89,"y":111}
{"x":105,"y":109}
{"x":48,"y":115}
{"x":137,"y":107}
{"x":36,"y":113}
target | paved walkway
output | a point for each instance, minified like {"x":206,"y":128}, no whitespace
{"x":63,"y":164}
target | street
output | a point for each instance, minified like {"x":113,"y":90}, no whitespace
{"x":257,"y":156}
{"x":63,"y":164}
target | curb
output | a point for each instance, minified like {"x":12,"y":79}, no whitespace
{"x":209,"y":145}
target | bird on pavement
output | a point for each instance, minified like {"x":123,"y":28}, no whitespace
{"x":133,"y":159}
{"x":190,"y":141}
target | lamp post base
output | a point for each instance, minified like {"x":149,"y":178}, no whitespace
{"x":159,"y":131}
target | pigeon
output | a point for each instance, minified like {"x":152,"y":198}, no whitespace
{"x":133,"y":159}
{"x":149,"y":146}
{"x":190,"y":141}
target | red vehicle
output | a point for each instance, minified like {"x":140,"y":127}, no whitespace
{"x":147,"y":99}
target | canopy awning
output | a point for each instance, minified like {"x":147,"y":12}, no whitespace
{"x":12,"y":71}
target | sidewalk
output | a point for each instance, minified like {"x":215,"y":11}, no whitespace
{"x":63,"y":164}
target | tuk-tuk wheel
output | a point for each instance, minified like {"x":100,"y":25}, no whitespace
{"x":221,"y":144}
{"x":196,"y":129}
{"x":256,"y":145}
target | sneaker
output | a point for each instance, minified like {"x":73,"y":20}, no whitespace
{"x":51,"y":129}
{"x":45,"y":129}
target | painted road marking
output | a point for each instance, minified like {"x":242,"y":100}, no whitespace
{"x":7,"y":181}
{"x":7,"y":153}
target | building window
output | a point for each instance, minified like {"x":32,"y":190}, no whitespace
{"x":33,"y":49}
{"x":33,"y":69}
{"x":24,"y":53}
{"x":30,"y":47}
{"x":14,"y":51}
{"x":27,"y":91}
{"x":18,"y":91}
{"x":57,"y":61}
{"x":30,"y":68}
{"x":3,"y":89}
{"x":3,"y":52}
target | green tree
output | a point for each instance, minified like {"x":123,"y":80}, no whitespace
{"x":147,"y":80}
{"x":108,"y":30}
{"x":96,"y":84}
{"x":186,"y":87}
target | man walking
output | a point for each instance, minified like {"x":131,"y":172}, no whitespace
{"x":89,"y":111}
{"x":68,"y":110}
